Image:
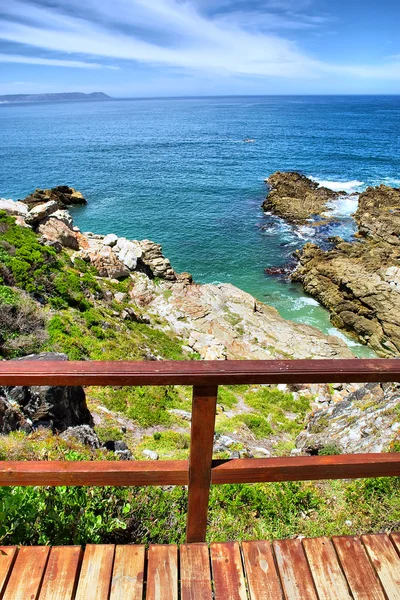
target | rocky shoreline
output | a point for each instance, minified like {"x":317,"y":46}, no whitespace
{"x":358,"y":281}
{"x":217,"y":321}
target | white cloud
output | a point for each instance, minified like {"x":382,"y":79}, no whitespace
{"x":192,"y":41}
{"x":52,"y":62}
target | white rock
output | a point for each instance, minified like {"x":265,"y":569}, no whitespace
{"x":262,"y":452}
{"x":41,"y":211}
{"x":282,"y":387}
{"x":295,"y":452}
{"x":64,"y":216}
{"x":227,"y":441}
{"x":14,"y":208}
{"x":150,"y":454}
{"x":184,"y":414}
{"x":110,"y":239}
{"x":120,"y":296}
{"x":128,"y":252}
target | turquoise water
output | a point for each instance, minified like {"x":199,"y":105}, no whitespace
{"x":177,"y":171}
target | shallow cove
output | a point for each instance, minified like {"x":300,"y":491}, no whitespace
{"x":178,"y":171}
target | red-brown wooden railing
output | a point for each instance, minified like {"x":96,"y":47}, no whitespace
{"x":200,"y":471}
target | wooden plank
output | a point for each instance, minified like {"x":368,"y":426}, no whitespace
{"x":360,"y":575}
{"x":385,"y":561}
{"x":294,"y":571}
{"x":204,"y":372}
{"x":120,"y":473}
{"x":95,"y":578}
{"x":162,"y":572}
{"x":227,"y":571}
{"x":305,"y":468}
{"x":261,"y":572}
{"x":61,"y":575}
{"x":204,"y":406}
{"x":7,"y":557}
{"x":325,"y":569}
{"x":195,"y":572}
{"x":128,"y":573}
{"x":27,"y":574}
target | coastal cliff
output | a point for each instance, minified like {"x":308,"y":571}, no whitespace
{"x":357,"y":281}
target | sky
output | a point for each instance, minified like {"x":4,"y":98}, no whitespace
{"x":150,"y":48}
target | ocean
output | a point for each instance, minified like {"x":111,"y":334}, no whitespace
{"x":179,"y":172}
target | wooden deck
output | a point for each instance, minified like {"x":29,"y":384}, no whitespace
{"x":363,"y":568}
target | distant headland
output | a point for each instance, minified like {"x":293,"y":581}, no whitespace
{"x":53,"y":97}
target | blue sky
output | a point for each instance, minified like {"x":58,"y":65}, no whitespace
{"x":200,"y":47}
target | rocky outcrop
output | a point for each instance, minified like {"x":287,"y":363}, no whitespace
{"x":359,"y":282}
{"x":368,"y":420}
{"x":62,"y":194}
{"x":297,"y":198}
{"x":57,"y":408}
{"x":54,"y":229}
{"x":40,"y":212}
{"x":223,"y":322}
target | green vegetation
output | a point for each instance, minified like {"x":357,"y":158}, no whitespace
{"x":49,"y":302}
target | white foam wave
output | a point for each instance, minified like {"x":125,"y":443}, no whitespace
{"x":344,"y":206}
{"x":342,"y":336}
{"x":304,"y":232}
{"x":338,"y":186}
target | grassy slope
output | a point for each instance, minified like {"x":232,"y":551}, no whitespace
{"x":48,"y":303}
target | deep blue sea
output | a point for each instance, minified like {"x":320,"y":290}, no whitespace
{"x":179,"y":172}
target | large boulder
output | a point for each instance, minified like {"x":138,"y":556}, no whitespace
{"x":128,"y":252}
{"x":153,"y":259}
{"x":55,"y":407}
{"x":55,"y":230}
{"x":40,"y":212}
{"x":62,"y":194}
{"x":297,"y":198}
{"x":107,"y":263}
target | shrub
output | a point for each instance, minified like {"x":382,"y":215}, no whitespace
{"x":22,"y":326}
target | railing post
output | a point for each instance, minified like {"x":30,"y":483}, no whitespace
{"x":204,"y":405}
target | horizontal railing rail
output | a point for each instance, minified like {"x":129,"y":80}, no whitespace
{"x":200,"y":471}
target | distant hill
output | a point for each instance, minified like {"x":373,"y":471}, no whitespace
{"x":54,"y":97}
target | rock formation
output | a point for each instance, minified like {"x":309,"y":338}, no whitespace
{"x":55,"y":407}
{"x":62,"y":194}
{"x":216,"y":321}
{"x":365,"y":421}
{"x":359,"y":282}
{"x":296,"y":198}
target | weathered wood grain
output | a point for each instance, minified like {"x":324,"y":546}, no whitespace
{"x":27,"y":573}
{"x":195,"y":572}
{"x":202,"y":372}
{"x":128,"y":573}
{"x":162,"y":573}
{"x":201,"y":448}
{"x":305,"y":468}
{"x":360,"y":575}
{"x":294,"y":571}
{"x":262,"y":576}
{"x":227,"y":571}
{"x":325,"y":569}
{"x":385,"y":561}
{"x":61,"y":575}
{"x":122,"y":473}
{"x":7,"y":557}
{"x":95,"y":578}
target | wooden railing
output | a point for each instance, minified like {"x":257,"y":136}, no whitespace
{"x":200,"y":471}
